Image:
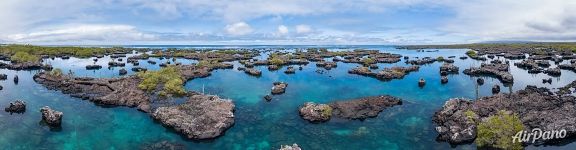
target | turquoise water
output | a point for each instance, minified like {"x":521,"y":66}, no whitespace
{"x":259,"y":124}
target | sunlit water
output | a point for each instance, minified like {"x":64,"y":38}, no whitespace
{"x":259,"y":124}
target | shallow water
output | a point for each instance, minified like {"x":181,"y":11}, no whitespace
{"x":259,"y":124}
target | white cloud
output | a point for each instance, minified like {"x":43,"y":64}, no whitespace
{"x":78,"y":33}
{"x":303,"y":29}
{"x":239,"y":28}
{"x":282,"y":30}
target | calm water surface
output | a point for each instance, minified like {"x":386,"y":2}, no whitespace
{"x":259,"y":124}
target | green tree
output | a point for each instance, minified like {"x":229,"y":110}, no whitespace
{"x":497,"y":131}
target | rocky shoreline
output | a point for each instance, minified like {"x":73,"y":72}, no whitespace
{"x":457,"y":121}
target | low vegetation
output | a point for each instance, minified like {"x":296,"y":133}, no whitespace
{"x":168,"y":79}
{"x":24,"y":57}
{"x":497,"y":131}
{"x":471,"y":53}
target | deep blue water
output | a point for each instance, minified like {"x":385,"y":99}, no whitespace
{"x":259,"y":124}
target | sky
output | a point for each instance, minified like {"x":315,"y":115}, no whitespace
{"x":289,"y":22}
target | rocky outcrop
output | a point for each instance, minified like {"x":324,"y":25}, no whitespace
{"x":363,"y":108}
{"x":3,"y":76}
{"x":51,"y":117}
{"x":443,"y":79}
{"x":495,"y":89}
{"x":553,"y":71}
{"x":500,"y":70}
{"x":326,"y":64}
{"x":279,"y":88}
{"x":290,"y":70}
{"x":288,"y":147}
{"x":449,"y":68}
{"x":25,"y":66}
{"x":17,"y":106}
{"x":200,"y":117}
{"x":386,"y":73}
{"x":138,"y":69}
{"x":537,"y":108}
{"x":571,"y":67}
{"x":422,"y":61}
{"x":315,"y":112}
{"x":115,"y":91}
{"x":253,"y":72}
{"x":93,"y":67}
{"x":122,"y":71}
{"x":355,"y":109}
{"x":116,"y":64}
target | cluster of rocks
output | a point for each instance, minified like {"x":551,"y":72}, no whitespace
{"x":25,"y":66}
{"x":51,"y":117}
{"x":553,"y":71}
{"x":200,"y":117}
{"x":571,"y":67}
{"x":423,"y":61}
{"x":386,"y":73}
{"x":500,"y":70}
{"x":116,"y":64}
{"x":326,"y":64}
{"x":290,"y":70}
{"x":279,"y":88}
{"x":17,"y":106}
{"x":360,"y":109}
{"x":458,"y":119}
{"x":448,"y":68}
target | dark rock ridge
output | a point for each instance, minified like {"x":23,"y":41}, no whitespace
{"x":93,"y":67}
{"x":571,"y":67}
{"x":422,"y":61}
{"x":17,"y":106}
{"x":51,"y":117}
{"x":279,"y":88}
{"x":386,"y":73}
{"x":200,"y":117}
{"x":536,"y":107}
{"x":360,"y":109}
{"x":115,"y":91}
{"x":500,"y":70}
{"x":25,"y":66}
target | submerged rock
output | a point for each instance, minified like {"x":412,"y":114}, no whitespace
{"x":536,"y":107}
{"x":315,"y":112}
{"x":421,"y":82}
{"x":495,"y":89}
{"x":268,"y":98}
{"x":444,"y":80}
{"x":122,"y":71}
{"x":164,"y":145}
{"x":279,"y":87}
{"x":17,"y":106}
{"x":200,"y":117}
{"x":290,"y":70}
{"x":288,"y":147}
{"x":3,"y":76}
{"x":16,"y":79}
{"x":549,"y":80}
{"x":51,"y":117}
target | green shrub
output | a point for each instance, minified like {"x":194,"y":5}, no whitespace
{"x":497,"y":131}
{"x":327,"y":111}
{"x":56,"y":72}
{"x":440,"y":58}
{"x":276,"y":61}
{"x":24,"y":57}
{"x":169,"y":78}
{"x":368,"y":61}
{"x":471,"y":53}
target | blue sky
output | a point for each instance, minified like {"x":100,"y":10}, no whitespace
{"x":125,"y":22}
